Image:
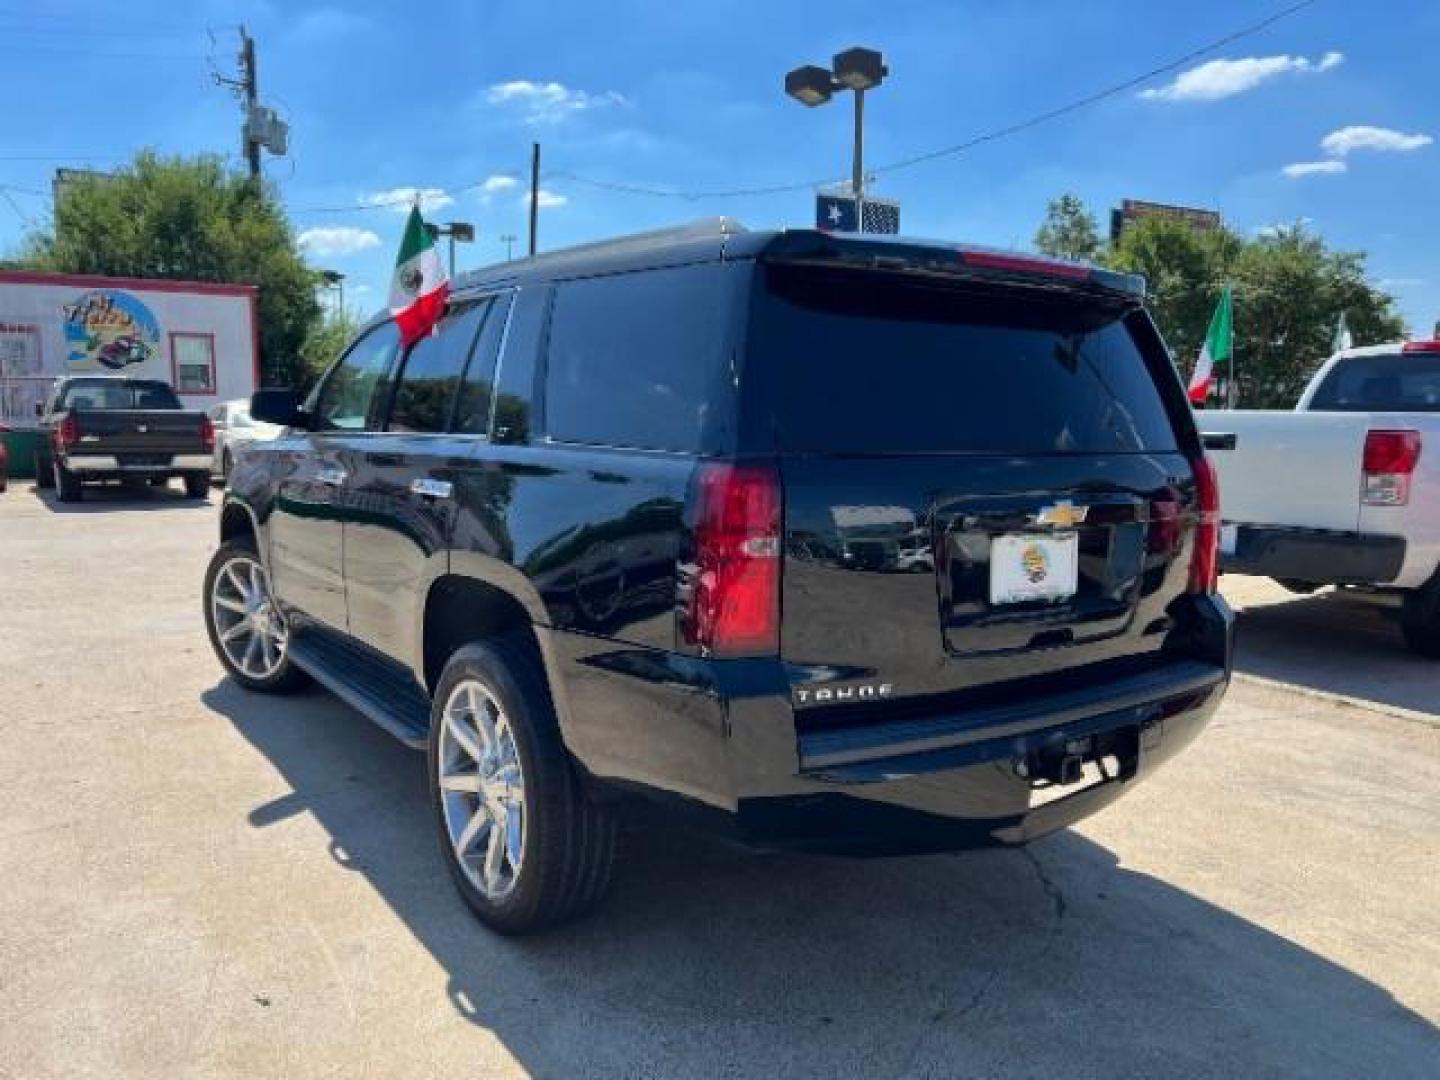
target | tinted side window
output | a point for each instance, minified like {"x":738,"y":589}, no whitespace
{"x":873,"y":363}
{"x":346,"y":397}
{"x":477,"y":390}
{"x":431,"y":374}
{"x":515,"y":389}
{"x":640,"y":359}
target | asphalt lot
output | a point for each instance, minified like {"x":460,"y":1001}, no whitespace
{"x":200,"y":882}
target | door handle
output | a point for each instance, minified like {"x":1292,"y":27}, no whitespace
{"x":433,"y":489}
{"x":335,"y":477}
{"x":1219,"y":440}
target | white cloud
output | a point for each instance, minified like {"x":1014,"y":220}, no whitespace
{"x":1313,"y":168}
{"x":546,"y":199}
{"x":1266,"y":231}
{"x":1366,"y":137}
{"x":337,"y":240}
{"x":498,"y":182}
{"x":400,"y":199}
{"x":1400,"y":282}
{"x":548,"y":102}
{"x":1218,"y":79}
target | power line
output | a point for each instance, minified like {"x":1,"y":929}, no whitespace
{"x":958,"y":148}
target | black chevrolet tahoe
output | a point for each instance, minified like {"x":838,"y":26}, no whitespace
{"x":840,"y":543}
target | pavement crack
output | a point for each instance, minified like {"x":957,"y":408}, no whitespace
{"x":1053,"y":891}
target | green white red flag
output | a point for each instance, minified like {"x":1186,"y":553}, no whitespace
{"x":419,"y":288}
{"x":1219,"y":342}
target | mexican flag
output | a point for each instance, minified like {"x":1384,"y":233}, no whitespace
{"x":419,"y":287}
{"x":1218,"y":343}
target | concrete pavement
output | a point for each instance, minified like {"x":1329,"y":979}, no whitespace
{"x":201,"y":882}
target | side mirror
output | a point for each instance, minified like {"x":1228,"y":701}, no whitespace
{"x":278,"y":406}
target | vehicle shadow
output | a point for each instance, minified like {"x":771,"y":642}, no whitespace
{"x":1328,"y":642}
{"x":99,"y":498}
{"x":707,"y":961}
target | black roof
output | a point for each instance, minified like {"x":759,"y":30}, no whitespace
{"x":721,"y":238}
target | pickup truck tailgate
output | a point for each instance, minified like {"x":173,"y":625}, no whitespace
{"x":144,"y":431}
{"x":1300,"y":470}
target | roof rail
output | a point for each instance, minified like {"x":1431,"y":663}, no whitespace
{"x":716,"y":228}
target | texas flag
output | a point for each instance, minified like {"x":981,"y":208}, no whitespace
{"x":419,"y":288}
{"x":1219,"y":342}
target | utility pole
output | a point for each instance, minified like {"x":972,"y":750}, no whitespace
{"x":249,"y":84}
{"x":534,"y":194}
{"x":857,"y":164}
{"x":508,"y":239}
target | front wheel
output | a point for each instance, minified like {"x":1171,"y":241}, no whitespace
{"x":1420,"y":619}
{"x":44,"y":478}
{"x":246,"y":628}
{"x":525,"y":845}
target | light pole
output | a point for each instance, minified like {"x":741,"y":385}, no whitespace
{"x":508,"y":239}
{"x":856,"y":69}
{"x":462,"y":231}
{"x":333,"y":279}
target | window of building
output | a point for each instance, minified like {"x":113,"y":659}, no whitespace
{"x":193,"y":359}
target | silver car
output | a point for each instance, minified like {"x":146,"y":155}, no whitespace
{"x":234,"y":427}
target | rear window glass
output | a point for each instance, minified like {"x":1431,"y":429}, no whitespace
{"x":862,"y":363}
{"x":640,"y":359}
{"x":1396,"y":382}
{"x":118,"y":395}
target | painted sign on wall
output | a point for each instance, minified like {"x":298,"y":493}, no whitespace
{"x":108,"y":330}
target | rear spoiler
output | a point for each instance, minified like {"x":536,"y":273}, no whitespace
{"x":933,"y":257}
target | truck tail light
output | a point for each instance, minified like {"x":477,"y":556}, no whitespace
{"x":68,"y":433}
{"x":1205,"y":561}
{"x":207,"y":433}
{"x":733,"y":606}
{"x":1390,"y":459}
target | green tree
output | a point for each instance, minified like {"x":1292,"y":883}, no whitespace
{"x":1068,"y":231}
{"x":1289,"y":290}
{"x":327,"y":337}
{"x":190,"y":219}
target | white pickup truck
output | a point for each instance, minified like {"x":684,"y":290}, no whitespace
{"x":1345,"y":490}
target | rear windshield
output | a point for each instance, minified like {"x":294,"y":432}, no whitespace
{"x":1396,"y":382}
{"x":118,"y":395}
{"x":866,"y":363}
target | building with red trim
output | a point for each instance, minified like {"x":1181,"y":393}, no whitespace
{"x":201,"y":337}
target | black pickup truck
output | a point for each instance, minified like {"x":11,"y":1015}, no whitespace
{"x":829,"y":542}
{"x":107,"y":427}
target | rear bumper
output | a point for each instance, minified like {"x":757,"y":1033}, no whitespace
{"x":718,"y":739}
{"x":109,"y":463}
{"x":1316,"y":556}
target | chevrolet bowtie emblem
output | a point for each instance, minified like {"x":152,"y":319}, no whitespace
{"x":1063,"y":515}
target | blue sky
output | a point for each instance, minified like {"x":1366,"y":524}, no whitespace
{"x":687,"y":97}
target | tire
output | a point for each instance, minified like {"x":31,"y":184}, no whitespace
{"x":160,"y":481}
{"x":566,"y":842}
{"x":67,"y":483}
{"x":1420,"y":619}
{"x":134,"y":484}
{"x":44,"y":478}
{"x":240,"y":555}
{"x":1299,"y":588}
{"x":197,"y":485}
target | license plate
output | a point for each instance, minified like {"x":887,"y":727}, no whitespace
{"x":1229,"y":537}
{"x":1034,"y":566}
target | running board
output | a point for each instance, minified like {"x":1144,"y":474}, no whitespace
{"x":366,"y":682}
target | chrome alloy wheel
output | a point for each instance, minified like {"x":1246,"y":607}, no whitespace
{"x":482,"y":789}
{"x":247,"y":624}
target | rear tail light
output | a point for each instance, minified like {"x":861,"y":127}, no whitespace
{"x":68,"y":433}
{"x":1390,"y":459}
{"x":1205,"y":562}
{"x":1420,"y":347}
{"x":207,"y":432}
{"x":733,"y":608}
